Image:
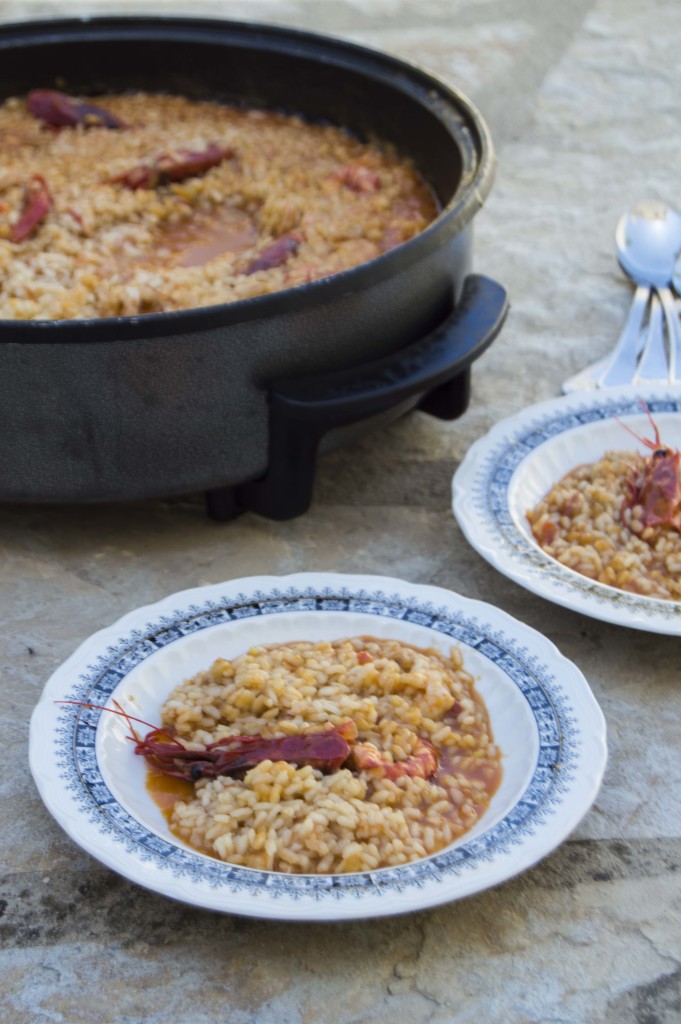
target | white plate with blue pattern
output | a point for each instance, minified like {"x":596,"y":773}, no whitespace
{"x":543,"y":714}
{"x":508,"y":471}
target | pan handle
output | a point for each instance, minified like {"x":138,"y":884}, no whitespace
{"x":436,"y":367}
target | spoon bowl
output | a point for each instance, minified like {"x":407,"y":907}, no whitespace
{"x":648,"y":240}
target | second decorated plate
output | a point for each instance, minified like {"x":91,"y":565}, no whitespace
{"x":508,"y":471}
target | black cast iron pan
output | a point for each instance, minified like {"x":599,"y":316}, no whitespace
{"x":234,"y":399}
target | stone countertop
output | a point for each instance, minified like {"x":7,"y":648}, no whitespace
{"x":583,"y":103}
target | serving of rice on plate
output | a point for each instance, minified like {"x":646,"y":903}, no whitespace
{"x":421,"y":770}
{"x":584,"y":522}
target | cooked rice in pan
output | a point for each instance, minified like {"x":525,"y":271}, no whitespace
{"x":120,"y":225}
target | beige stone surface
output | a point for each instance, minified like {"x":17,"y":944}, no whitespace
{"x":583,"y":103}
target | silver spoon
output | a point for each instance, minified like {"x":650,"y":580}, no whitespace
{"x":647,"y":239}
{"x":653,"y":362}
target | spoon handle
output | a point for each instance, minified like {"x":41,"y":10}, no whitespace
{"x":673,"y":333}
{"x":622,"y":364}
{"x":653,"y":364}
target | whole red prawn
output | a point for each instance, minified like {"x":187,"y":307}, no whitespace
{"x":657,"y":487}
{"x":326,"y":750}
{"x":37,"y":204}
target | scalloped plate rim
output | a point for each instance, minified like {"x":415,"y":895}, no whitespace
{"x":496,"y":855}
